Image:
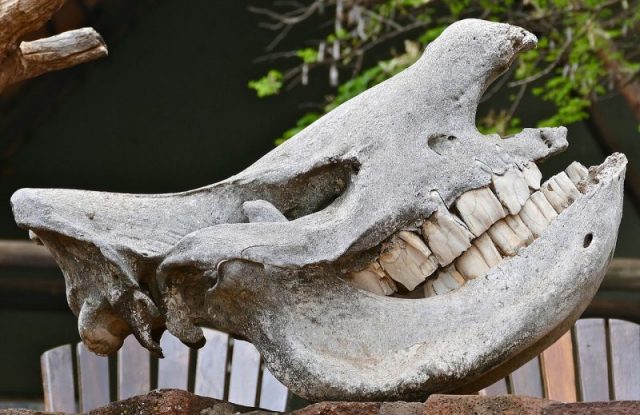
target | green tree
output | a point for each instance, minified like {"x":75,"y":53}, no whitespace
{"x":588,"y":49}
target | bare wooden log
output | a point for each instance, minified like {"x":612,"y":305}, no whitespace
{"x":24,"y":254}
{"x":24,"y":60}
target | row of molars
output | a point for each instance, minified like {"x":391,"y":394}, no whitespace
{"x":490,"y":224}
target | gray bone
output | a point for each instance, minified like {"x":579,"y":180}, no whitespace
{"x":383,"y":161}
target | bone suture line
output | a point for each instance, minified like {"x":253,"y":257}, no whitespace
{"x":495,"y":223}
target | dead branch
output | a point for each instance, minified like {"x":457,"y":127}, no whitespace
{"x":24,"y":60}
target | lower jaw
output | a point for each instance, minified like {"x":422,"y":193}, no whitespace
{"x":363,"y":346}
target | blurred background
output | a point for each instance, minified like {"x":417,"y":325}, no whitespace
{"x":193,"y":92}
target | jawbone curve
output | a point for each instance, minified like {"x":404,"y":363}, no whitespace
{"x":263,"y":254}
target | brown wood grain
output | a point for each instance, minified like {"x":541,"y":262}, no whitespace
{"x":558,"y":370}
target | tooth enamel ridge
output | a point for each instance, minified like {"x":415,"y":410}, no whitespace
{"x":479,"y":210}
{"x":495,"y":224}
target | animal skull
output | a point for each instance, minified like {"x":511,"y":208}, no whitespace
{"x":301,"y":253}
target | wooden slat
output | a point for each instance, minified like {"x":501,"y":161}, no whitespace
{"x":93,"y":379}
{"x":57,"y":379}
{"x":211,"y":365}
{"x":134,"y":369}
{"x":591,"y":349}
{"x":498,"y":388}
{"x":245,"y":367}
{"x":624,"y":338}
{"x":558,"y":370}
{"x":173,"y":370}
{"x":273,"y":394}
{"x":527,"y":380}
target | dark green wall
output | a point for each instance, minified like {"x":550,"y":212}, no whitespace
{"x":168,"y":110}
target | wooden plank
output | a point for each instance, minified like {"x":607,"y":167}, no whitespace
{"x":24,"y":254}
{"x":591,"y":348}
{"x":173,"y":370}
{"x":273,"y":394}
{"x":211,"y":365}
{"x":93,"y":379}
{"x":245,"y":367}
{"x":57,"y":379}
{"x":498,"y":388}
{"x":558,"y":370}
{"x":527,"y":379}
{"x":134,"y":369}
{"x":624,"y":340}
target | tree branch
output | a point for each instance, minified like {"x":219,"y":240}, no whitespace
{"x":24,"y":60}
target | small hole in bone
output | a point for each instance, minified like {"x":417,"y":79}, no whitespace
{"x":587,"y":240}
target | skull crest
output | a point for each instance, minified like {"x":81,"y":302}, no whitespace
{"x":388,"y":251}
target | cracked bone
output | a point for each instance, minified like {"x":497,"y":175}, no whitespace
{"x":533,"y":217}
{"x":479,"y":209}
{"x":447,"y":236}
{"x":374,"y":280}
{"x":518,"y":226}
{"x":511,"y":189}
{"x":577,"y":172}
{"x":532,"y":175}
{"x":505,"y":238}
{"x":488,"y":250}
{"x":471,"y":264}
{"x":405,"y":263}
{"x":348,"y":182}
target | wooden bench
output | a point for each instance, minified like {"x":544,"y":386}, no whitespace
{"x":225,"y":368}
{"x":598,"y":360}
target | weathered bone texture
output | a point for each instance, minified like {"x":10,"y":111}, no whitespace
{"x":263,"y":254}
{"x":23,"y":60}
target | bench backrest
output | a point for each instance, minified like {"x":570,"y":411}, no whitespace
{"x":598,"y":360}
{"x":225,"y":368}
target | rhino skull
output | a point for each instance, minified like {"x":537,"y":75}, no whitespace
{"x":309,"y":252}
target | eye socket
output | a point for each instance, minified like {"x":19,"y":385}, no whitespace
{"x":587,"y":240}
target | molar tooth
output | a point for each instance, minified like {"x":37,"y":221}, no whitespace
{"x":505,"y":238}
{"x":567,"y":186}
{"x":447,"y":236}
{"x":488,"y":250}
{"x":532,"y":175}
{"x":577,"y":172}
{"x":419,"y":252}
{"x":480,"y":209}
{"x":471,"y":264}
{"x":374,"y":279}
{"x":544,"y":205}
{"x":512,"y":189}
{"x":451,"y":278}
{"x":517,"y":225}
{"x":428,"y":289}
{"x":405,"y":264}
{"x":533,"y":218}
{"x":555,"y":195}
{"x":439,"y":287}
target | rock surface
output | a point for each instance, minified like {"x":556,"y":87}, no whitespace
{"x":178,"y":402}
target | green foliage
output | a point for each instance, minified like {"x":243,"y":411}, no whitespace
{"x":270,"y":84}
{"x":569,"y":69}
